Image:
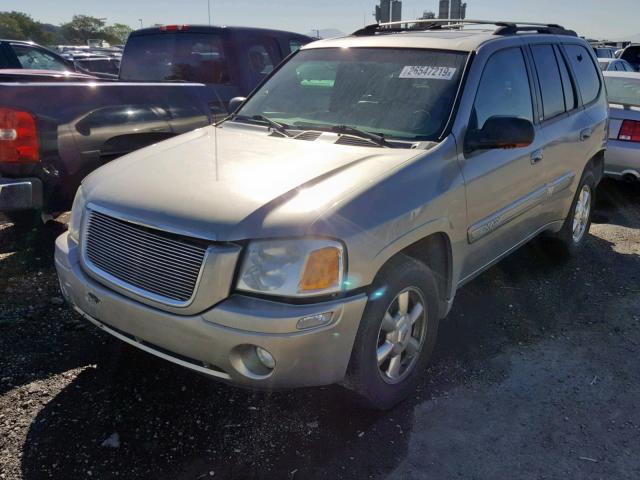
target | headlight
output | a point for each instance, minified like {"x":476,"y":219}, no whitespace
{"x":296,"y":267}
{"x":77,"y":212}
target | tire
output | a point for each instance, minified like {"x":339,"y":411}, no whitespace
{"x":382,"y":386}
{"x":567,"y":242}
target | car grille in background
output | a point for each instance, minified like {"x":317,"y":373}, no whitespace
{"x":151,"y":260}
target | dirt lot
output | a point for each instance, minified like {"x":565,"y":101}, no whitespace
{"x":536,"y":375}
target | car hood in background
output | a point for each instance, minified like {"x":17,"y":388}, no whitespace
{"x":235,"y":182}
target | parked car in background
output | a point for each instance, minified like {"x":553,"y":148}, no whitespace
{"x":632,"y":55}
{"x":321,"y":232}
{"x":231,"y":61}
{"x":54,"y":132}
{"x":622,"y":158}
{"x":15,"y":54}
{"x":615,"y":65}
{"x":106,"y":67}
{"x":604,"y":51}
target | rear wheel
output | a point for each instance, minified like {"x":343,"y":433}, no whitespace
{"x":571,"y":237}
{"x":396,"y":335}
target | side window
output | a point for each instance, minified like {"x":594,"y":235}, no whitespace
{"x":549,"y":80}
{"x":585,"y":71}
{"x":294,"y":45}
{"x":570,"y":98}
{"x":37,"y":59}
{"x":263,"y":56}
{"x":504,"y":89}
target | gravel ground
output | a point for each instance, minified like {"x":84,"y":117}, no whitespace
{"x":535,"y":375}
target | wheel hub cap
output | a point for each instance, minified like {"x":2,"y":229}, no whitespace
{"x":581,"y":214}
{"x":401,"y":335}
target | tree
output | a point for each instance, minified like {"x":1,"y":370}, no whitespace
{"x":82,"y":28}
{"x":117,"y":33}
{"x":20,"y":26}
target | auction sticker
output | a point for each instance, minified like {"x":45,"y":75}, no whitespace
{"x":436,"y":73}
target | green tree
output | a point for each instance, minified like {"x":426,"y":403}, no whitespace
{"x":82,"y":28}
{"x":117,"y":33}
{"x":20,"y":26}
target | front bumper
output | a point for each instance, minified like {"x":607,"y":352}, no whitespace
{"x":220,"y":342}
{"x":20,"y":194}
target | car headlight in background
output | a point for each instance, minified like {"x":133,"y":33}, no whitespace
{"x":292,"y":267}
{"x":77,"y":212}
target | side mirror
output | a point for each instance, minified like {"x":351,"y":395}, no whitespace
{"x":501,"y":132}
{"x":235,"y":103}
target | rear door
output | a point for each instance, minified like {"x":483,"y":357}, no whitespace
{"x":505,"y":187}
{"x":564,"y":127}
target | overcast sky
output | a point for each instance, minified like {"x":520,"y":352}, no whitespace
{"x":594,"y":18}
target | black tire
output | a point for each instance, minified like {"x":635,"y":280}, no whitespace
{"x":364,"y":376}
{"x":563,"y":243}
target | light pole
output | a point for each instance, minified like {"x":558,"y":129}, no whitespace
{"x":140,"y":20}
{"x":209,"y":10}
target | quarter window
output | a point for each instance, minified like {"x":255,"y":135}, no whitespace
{"x":504,"y":89}
{"x":550,"y":81}
{"x":585,"y":71}
{"x":570,"y":99}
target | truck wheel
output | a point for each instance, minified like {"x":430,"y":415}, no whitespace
{"x":568,"y":241}
{"x":396,"y":335}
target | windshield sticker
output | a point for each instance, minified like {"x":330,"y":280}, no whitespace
{"x":436,"y":73}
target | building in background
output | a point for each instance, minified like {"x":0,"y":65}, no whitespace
{"x":443,"y":9}
{"x":427,"y":15}
{"x":458,"y":9}
{"x":389,"y":11}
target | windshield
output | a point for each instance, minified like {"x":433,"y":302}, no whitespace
{"x":400,"y":93}
{"x":623,"y":90}
{"x":175,"y":57}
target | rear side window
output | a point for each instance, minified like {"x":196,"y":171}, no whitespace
{"x":585,"y":71}
{"x":570,"y":98}
{"x":36,"y":59}
{"x":549,"y":80}
{"x":504,"y":89}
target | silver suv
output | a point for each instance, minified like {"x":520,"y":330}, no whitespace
{"x":320,"y":233}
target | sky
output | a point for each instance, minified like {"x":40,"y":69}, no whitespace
{"x":592,"y":18}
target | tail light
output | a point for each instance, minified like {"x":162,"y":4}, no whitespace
{"x":629,"y":131}
{"x":173,"y":28}
{"x":18,"y":137}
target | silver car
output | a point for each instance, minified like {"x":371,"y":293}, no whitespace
{"x":622,"y":160}
{"x":319,"y":234}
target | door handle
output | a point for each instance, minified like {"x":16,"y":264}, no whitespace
{"x":537,"y":156}
{"x":585,"y":134}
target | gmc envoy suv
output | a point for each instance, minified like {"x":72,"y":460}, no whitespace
{"x":320,"y":233}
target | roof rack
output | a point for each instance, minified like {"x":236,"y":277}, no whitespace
{"x":504,"y":28}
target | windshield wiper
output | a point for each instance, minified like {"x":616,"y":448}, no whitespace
{"x":277,"y":126}
{"x":348,"y":130}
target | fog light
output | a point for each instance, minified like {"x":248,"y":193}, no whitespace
{"x":266,"y":358}
{"x":313,"y":321}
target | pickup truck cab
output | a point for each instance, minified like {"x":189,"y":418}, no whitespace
{"x":320,"y":234}
{"x":231,"y":61}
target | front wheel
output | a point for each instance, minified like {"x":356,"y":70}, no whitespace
{"x":396,"y":335}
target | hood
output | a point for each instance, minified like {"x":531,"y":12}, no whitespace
{"x":234,"y":182}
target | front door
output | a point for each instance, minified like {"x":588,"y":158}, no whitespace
{"x":505,"y":187}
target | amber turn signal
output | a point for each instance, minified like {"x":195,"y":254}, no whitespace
{"x":322,"y":270}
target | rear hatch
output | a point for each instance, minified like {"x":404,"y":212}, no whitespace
{"x":632,"y":55}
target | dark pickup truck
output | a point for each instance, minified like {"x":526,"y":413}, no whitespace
{"x":54,"y":132}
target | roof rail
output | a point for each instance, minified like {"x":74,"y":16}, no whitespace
{"x":504,"y":28}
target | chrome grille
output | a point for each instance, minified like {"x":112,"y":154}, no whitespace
{"x":150,"y":260}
